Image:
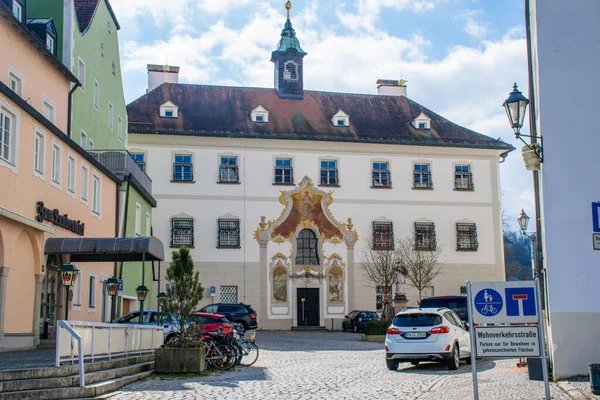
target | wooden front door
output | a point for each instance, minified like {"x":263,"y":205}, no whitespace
{"x":310,"y":311}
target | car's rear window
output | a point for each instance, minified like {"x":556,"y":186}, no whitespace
{"x":405,"y":320}
{"x":459,"y":306}
{"x":208,"y":319}
{"x":369,"y":315}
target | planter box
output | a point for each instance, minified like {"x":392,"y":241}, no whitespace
{"x":373,"y":338}
{"x":179,"y":361}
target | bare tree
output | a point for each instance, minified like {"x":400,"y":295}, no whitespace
{"x":380,"y":267}
{"x":422,"y":266}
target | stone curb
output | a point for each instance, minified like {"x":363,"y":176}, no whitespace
{"x":572,"y":391}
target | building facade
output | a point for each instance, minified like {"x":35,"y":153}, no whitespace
{"x":88,"y":43}
{"x":51,"y":187}
{"x":565,"y":64}
{"x":279,"y":191}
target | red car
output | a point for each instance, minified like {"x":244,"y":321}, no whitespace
{"x":212,"y":322}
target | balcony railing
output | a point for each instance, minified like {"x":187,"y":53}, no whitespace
{"x":121,"y":163}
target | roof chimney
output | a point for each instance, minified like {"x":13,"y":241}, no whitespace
{"x":158,"y":74}
{"x":388,"y":87}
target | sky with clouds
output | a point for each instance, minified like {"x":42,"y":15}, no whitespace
{"x":460,"y":57}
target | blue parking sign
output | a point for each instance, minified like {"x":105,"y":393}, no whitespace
{"x":213,"y":290}
{"x":120,"y":285}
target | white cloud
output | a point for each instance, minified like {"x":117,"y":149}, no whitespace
{"x":473,"y":27}
{"x":369,"y":11}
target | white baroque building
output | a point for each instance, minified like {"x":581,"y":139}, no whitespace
{"x":277,"y":190}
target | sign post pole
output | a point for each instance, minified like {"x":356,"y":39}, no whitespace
{"x":472,"y":335}
{"x":542,"y":339}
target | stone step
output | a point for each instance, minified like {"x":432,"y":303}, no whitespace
{"x":309,"y":328}
{"x":90,"y":391}
{"x":69,"y":370}
{"x":71,"y":381}
{"x":47,"y":344}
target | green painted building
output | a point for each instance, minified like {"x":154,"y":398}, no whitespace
{"x":87,"y":32}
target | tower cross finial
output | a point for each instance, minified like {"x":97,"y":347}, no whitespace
{"x":288,"y":6}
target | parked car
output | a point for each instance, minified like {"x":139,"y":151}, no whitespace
{"x":238,"y":312}
{"x":427,"y":334}
{"x":357,"y":320}
{"x":212,"y":322}
{"x":150,"y":317}
{"x":458,"y":304}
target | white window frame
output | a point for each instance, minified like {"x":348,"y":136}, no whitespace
{"x":84,"y":188}
{"x":96,"y":95}
{"x":83,"y":140}
{"x":13,"y":75}
{"x":92,"y":145}
{"x":342,"y":117}
{"x":80,"y":75}
{"x":260,"y":111}
{"x":148,"y":224}
{"x":56,"y":165}
{"x":50,"y":43}
{"x":138,"y":219}
{"x":120,"y":128}
{"x":52,"y":105}
{"x":76,"y":303}
{"x":92,"y":299}
{"x":17,"y":6}
{"x":111,"y":115}
{"x":71,"y":174}
{"x":169,"y":106}
{"x":287,"y":77}
{"x":422,"y":118}
{"x":12,"y":162}
{"x":96,"y":195}
{"x":39,"y":153}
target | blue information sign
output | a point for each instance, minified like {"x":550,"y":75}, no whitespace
{"x":120,"y":285}
{"x":596,"y":216}
{"x":213,"y":290}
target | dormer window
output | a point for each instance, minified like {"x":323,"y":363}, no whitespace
{"x":259,"y":114}
{"x":422,"y":122}
{"x":290,"y":72}
{"x":341,"y":119}
{"x":169,"y":110}
{"x":17,"y":10}
{"x":50,"y":43}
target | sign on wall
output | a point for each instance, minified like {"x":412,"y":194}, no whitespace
{"x":504,"y":302}
{"x":54,"y":217}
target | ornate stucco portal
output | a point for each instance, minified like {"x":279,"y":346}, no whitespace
{"x":307,"y":227}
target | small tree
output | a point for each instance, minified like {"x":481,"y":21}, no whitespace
{"x":185,"y":290}
{"x":422,"y":266}
{"x":380,"y":267}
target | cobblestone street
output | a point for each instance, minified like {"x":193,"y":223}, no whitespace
{"x":324,"y":365}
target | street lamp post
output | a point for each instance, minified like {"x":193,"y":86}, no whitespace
{"x":112,"y":287}
{"x":68,"y":276}
{"x":142,"y":292}
{"x":523,"y":220}
{"x":162,"y":300}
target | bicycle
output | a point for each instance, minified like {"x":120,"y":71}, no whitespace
{"x":490,"y":308}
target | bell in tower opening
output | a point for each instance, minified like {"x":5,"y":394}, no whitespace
{"x":288,"y":60}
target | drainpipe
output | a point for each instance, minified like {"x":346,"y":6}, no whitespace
{"x":70,"y":107}
{"x":113,"y":305}
{"x":125,"y":219}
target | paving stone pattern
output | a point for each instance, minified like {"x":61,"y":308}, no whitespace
{"x":584,"y":386}
{"x":326,"y":365}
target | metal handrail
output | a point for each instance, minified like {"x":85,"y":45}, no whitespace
{"x":77,"y":337}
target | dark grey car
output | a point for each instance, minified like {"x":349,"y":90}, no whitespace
{"x":238,"y":312}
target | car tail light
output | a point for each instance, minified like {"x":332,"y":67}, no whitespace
{"x":386,"y":348}
{"x":439,"y":329}
{"x":253,"y":315}
{"x":393,"y":331}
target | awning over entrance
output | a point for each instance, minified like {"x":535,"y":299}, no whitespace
{"x":107,"y":249}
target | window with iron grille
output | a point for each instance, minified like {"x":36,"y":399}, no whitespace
{"x":383,"y":236}
{"x":422,"y":176}
{"x":466,"y":237}
{"x":329,"y":173}
{"x":229,"y":294}
{"x":284,"y":172}
{"x":378,"y":298}
{"x":425,"y":236}
{"x":228,"y":170}
{"x":182,"y":232}
{"x":183,"y":168}
{"x":381,"y":174}
{"x":140,"y":160}
{"x":463,"y":290}
{"x":306,"y":248}
{"x":229,"y":234}
{"x":463,"y":179}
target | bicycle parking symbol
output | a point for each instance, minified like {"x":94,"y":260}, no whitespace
{"x":488,"y":302}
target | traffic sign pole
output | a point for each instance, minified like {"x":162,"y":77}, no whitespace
{"x":543,"y":339}
{"x":472,"y":335}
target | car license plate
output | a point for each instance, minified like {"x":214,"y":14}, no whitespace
{"x":415,"y":335}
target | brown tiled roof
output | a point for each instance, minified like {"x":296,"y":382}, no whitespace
{"x":225,"y":112}
{"x":86,"y":9}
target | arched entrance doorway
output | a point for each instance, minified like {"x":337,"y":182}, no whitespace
{"x":311,"y":285}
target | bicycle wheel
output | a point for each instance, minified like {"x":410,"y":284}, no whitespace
{"x":223,"y":357}
{"x":250,"y":352}
{"x":239,"y":352}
